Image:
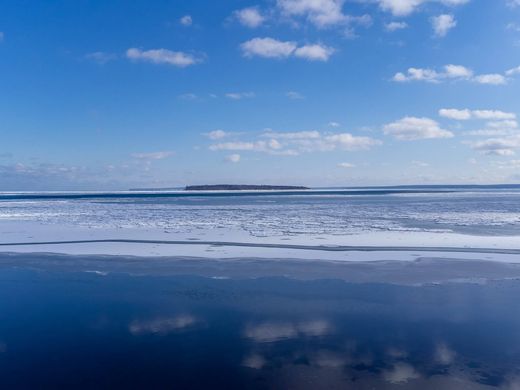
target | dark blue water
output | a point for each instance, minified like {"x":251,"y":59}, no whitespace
{"x":85,"y":330}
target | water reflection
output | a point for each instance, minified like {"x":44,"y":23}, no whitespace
{"x":86,"y":330}
{"x":162,"y":326}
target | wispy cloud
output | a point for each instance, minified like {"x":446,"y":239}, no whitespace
{"x":240,"y":95}
{"x":101,"y":57}
{"x":152,"y":155}
{"x":163,"y":56}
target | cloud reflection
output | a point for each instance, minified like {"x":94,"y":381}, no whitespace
{"x":400,"y":373}
{"x":162,"y":326}
{"x":274,"y":331}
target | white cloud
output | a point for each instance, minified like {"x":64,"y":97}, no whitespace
{"x":294,"y":95}
{"x":186,"y":20}
{"x":217,"y":134}
{"x":162,"y":56}
{"x":453,"y":113}
{"x":346,"y":165}
{"x":418,"y":74}
{"x":505,"y":124}
{"x":457,"y":71}
{"x":100,"y":57}
{"x":513,"y":71}
{"x":240,"y":95}
{"x":233,"y":158}
{"x":294,"y":143}
{"x":421,"y":164}
{"x":400,"y":7}
{"x":492,"y":79}
{"x":493,"y":114}
{"x":250,"y":17}
{"x":442,"y":24}
{"x":316,"y":52}
{"x":513,"y":3}
{"x":334,"y":124}
{"x":273,"y":48}
{"x":294,"y":135}
{"x":406,"y":7}
{"x":322,"y":13}
{"x":267,"y":47}
{"x":465,"y":114}
{"x":394,"y":26}
{"x":451,"y":72}
{"x":152,"y":155}
{"x":505,"y":146}
{"x":412,"y":128}
{"x":347,"y":141}
{"x":240,"y":145}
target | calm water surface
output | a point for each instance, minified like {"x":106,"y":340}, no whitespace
{"x":88,"y":330}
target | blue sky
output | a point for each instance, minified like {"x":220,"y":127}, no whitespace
{"x":118,"y":94}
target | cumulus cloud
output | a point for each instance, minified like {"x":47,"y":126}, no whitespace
{"x":394,"y":26}
{"x":162,"y":56}
{"x":186,"y":20}
{"x":453,"y":72}
{"x":273,"y":48}
{"x":442,"y":24}
{"x":466,"y":114}
{"x":316,"y":52}
{"x":152,"y":155}
{"x":453,"y":113}
{"x":268,"y":48}
{"x":457,"y":71}
{"x":505,"y":146}
{"x":233,"y":158}
{"x":491,"y":78}
{"x":249,"y":17}
{"x":295,"y":143}
{"x":406,"y":7}
{"x":217,"y":134}
{"x":412,"y":128}
{"x":322,"y":13}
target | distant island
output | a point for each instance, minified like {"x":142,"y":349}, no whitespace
{"x":242,"y":187}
